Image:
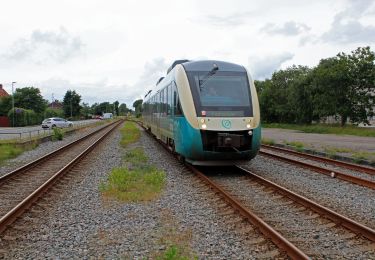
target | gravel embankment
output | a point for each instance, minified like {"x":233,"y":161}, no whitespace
{"x":348,"y":199}
{"x":82,"y":225}
{"x":43,"y":149}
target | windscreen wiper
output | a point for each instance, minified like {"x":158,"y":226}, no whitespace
{"x":208,"y":75}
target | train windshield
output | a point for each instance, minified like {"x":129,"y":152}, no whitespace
{"x":221,"y":94}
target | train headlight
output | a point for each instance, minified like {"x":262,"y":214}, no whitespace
{"x":250,"y":132}
{"x":202,"y":120}
{"x":204,"y":126}
{"x":248,"y":126}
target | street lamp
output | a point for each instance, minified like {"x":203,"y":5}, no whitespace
{"x":13,"y":102}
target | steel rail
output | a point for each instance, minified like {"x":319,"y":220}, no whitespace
{"x":36,"y":162}
{"x":291,"y":250}
{"x":18,"y":210}
{"x":350,"y":224}
{"x":281,"y":242}
{"x":347,"y":165}
{"x":333,"y":173}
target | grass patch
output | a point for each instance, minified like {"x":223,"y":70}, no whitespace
{"x":176,"y":242}
{"x":9,"y":151}
{"x":130,"y":133}
{"x":298,"y":145}
{"x":174,"y":252}
{"x":134,"y":185}
{"x":268,"y":141}
{"x":326,"y":129}
{"x":137,"y":181}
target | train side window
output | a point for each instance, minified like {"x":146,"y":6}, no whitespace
{"x":170,"y":98}
{"x":176,"y":101}
{"x":167,"y":101}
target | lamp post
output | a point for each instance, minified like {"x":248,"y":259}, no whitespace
{"x":13,"y":102}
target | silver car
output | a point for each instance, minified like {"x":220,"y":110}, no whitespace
{"x":56,"y":122}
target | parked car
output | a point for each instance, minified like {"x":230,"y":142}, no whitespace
{"x":56,"y":122}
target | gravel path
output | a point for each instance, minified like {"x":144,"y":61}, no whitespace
{"x":348,"y":199}
{"x":83,"y":225}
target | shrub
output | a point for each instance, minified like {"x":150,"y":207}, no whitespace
{"x":58,"y":134}
{"x":23,"y":117}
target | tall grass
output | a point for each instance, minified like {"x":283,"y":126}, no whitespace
{"x":326,"y":129}
{"x":9,"y":151}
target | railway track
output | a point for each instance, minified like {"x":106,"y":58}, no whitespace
{"x":356,"y":174}
{"x":295,"y":224}
{"x":298,"y":226}
{"x":21,"y":188}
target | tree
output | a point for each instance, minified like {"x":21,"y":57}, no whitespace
{"x":286,"y":97}
{"x":123,"y":109}
{"x":71,"y":102}
{"x":85,"y":110}
{"x":116,"y":107}
{"x":138,"y":107}
{"x":30,"y":98}
{"x":5,"y":105}
{"x":344,"y":86}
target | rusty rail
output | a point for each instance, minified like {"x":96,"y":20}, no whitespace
{"x":350,"y":166}
{"x":18,"y":210}
{"x":325,"y":171}
{"x":350,"y":224}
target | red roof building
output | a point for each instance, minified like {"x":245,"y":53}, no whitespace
{"x":55,"y":105}
{"x":3,"y":93}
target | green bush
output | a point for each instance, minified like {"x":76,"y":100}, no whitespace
{"x":49,"y":112}
{"x":58,"y":134}
{"x":23,"y":117}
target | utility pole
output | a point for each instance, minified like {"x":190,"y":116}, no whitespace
{"x":13,"y":102}
{"x":71,"y":108}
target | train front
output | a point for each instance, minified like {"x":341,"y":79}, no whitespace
{"x":221,"y":111}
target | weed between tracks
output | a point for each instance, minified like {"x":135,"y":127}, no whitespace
{"x":130,"y":133}
{"x":136,"y":180}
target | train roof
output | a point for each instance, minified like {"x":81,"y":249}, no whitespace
{"x":207,"y":65}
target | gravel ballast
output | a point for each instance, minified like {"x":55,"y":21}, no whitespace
{"x":351,"y":200}
{"x":43,"y":149}
{"x":82,"y":224}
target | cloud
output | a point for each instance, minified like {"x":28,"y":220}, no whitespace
{"x":44,"y":47}
{"x":263,"y":67}
{"x":346,"y":26}
{"x":152,"y":71}
{"x":289,"y":28}
{"x":231,"y":20}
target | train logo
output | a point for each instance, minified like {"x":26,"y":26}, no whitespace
{"x":226,"y":123}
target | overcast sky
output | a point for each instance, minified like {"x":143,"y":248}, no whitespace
{"x":111,"y":50}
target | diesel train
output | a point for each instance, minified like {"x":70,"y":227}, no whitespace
{"x":206,"y":111}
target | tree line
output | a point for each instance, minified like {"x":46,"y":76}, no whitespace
{"x":342,"y":87}
{"x":30,"y":108}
